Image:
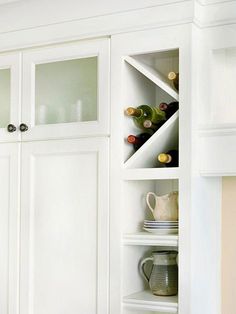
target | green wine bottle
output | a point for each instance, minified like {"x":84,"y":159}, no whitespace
{"x":146,"y":112}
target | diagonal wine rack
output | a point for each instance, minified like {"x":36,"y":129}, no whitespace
{"x":162,"y":140}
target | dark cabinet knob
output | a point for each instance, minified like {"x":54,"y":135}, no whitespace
{"x":23,"y":127}
{"x":11,"y":128}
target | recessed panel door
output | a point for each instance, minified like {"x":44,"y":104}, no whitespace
{"x":66,"y":90}
{"x":64,"y":243}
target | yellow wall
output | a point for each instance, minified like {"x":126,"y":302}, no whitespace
{"x":229,"y":246}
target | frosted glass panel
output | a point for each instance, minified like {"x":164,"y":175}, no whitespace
{"x":5,"y":93}
{"x":66,"y":91}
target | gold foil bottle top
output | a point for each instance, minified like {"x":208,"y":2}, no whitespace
{"x":133,"y":112}
{"x":164,"y":158}
{"x":172,"y":76}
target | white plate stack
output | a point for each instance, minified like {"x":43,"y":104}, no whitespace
{"x":161,"y":226}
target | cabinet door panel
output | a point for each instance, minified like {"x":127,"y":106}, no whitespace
{"x":10,"y":83}
{"x":66,"y":90}
{"x":64,"y":227}
{"x":9,"y":211}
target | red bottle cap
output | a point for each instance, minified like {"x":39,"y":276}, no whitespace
{"x":131,"y":139}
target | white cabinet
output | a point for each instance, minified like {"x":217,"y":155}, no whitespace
{"x":54,"y":193}
{"x":64,"y":91}
{"x":64,"y":223}
{"x":62,"y":201}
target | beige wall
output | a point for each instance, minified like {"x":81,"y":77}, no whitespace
{"x":229,"y":246}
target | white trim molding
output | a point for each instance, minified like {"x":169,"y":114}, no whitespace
{"x":214,"y":13}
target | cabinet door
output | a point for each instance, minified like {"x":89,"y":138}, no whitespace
{"x":66,"y":90}
{"x":9,"y":223}
{"x":64,"y":223}
{"x":9,"y":96}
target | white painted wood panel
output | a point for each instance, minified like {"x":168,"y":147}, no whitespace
{"x":64,"y":265}
{"x":9,"y":226}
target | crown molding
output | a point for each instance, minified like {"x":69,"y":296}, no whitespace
{"x":212,"y":2}
{"x":107,"y":25}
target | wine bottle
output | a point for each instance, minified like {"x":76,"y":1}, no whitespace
{"x":170,"y":108}
{"x":174,"y":77}
{"x":169,"y":159}
{"x":139,"y":139}
{"x":146,"y":112}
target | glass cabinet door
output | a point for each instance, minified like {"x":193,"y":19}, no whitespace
{"x":9,"y":97}
{"x":66,"y":91}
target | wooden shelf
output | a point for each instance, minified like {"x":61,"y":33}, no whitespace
{"x":153,"y":75}
{"x":151,"y":174}
{"x":162,"y":140}
{"x":145,"y":300}
{"x":145,"y":238}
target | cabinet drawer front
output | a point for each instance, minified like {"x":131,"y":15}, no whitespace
{"x":64,"y":266}
{"x":66,"y":90}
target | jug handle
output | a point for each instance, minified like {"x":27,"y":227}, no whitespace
{"x":142,"y":267}
{"x":148,"y":203}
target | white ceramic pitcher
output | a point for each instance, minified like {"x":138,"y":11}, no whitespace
{"x":165,"y":206}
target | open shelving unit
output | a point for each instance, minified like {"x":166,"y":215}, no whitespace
{"x":141,"y":173}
